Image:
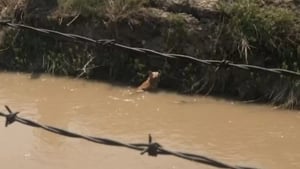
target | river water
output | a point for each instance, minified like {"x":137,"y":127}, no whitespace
{"x":235,"y":133}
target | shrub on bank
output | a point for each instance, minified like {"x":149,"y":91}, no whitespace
{"x":265,"y":35}
{"x":261,"y":34}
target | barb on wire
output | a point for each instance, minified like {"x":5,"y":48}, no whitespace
{"x":153,"y":149}
{"x":110,"y":42}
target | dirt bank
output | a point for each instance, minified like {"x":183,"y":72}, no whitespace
{"x":263,"y":33}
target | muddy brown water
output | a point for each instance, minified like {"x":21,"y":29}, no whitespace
{"x":251,"y":135}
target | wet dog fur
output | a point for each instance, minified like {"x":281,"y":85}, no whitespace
{"x":150,"y":83}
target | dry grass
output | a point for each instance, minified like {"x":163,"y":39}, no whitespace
{"x":118,"y":9}
{"x":7,"y":7}
{"x":7,"y":3}
{"x":84,"y":7}
{"x":113,"y":9}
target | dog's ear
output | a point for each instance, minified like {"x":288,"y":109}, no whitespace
{"x":149,"y":73}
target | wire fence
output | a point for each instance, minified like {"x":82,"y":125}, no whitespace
{"x":112,"y":43}
{"x":152,"y":148}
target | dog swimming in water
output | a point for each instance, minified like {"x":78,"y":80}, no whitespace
{"x":150,"y":83}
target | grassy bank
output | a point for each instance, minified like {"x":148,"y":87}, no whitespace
{"x":266,"y":34}
{"x":244,"y":31}
{"x":262,"y":34}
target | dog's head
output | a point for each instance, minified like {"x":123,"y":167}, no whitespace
{"x":153,"y":75}
{"x":151,"y":82}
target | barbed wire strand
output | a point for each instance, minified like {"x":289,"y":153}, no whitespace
{"x":111,"y":42}
{"x":153,"y":149}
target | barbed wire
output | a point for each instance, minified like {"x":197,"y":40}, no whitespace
{"x":111,"y":42}
{"x":152,"y":148}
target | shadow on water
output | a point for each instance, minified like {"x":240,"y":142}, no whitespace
{"x":35,"y":75}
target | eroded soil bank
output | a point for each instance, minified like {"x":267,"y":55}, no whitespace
{"x":263,"y":33}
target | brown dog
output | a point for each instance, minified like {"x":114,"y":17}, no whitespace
{"x":150,"y":83}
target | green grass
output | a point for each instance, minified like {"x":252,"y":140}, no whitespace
{"x":264,"y":35}
{"x":176,"y":33}
{"x":259,"y":32}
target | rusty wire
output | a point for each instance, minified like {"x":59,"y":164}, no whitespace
{"x":110,"y":42}
{"x":153,"y":149}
